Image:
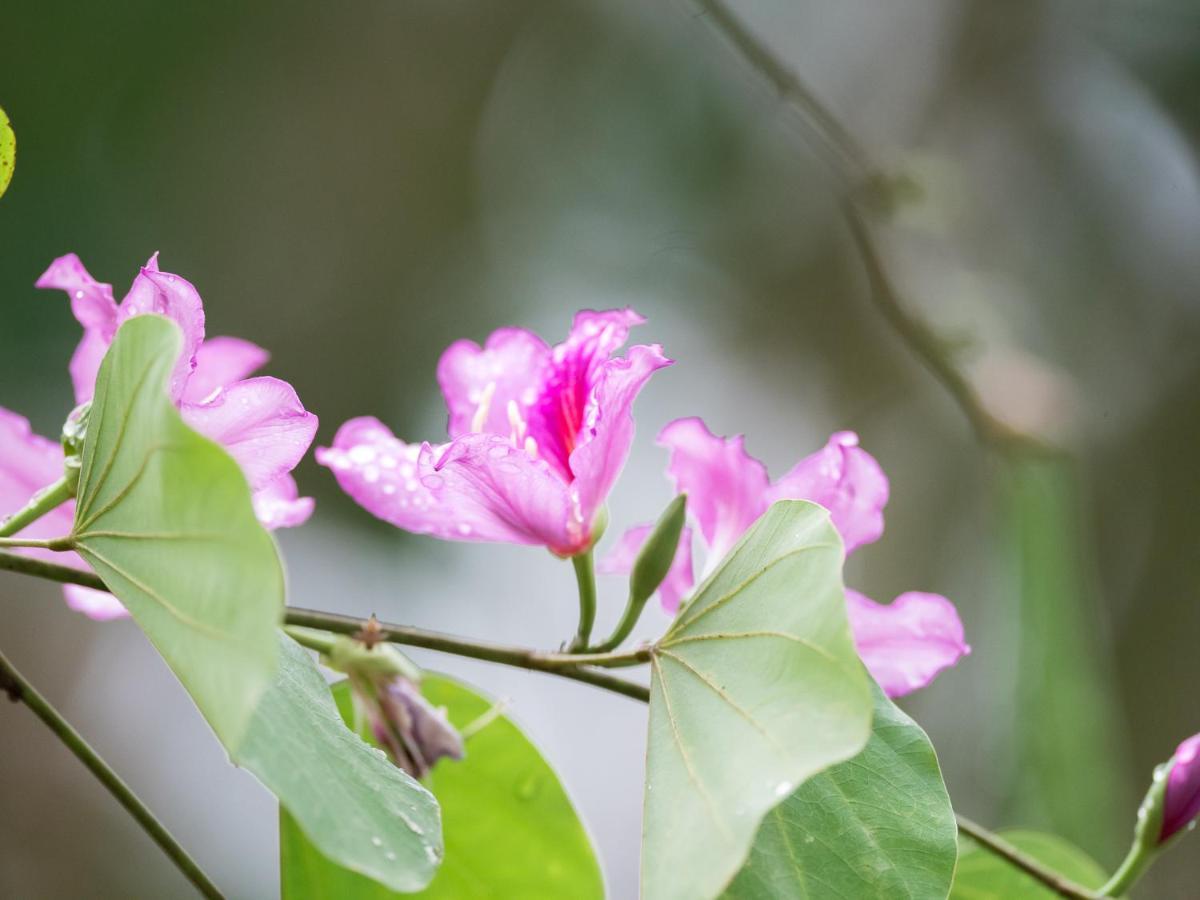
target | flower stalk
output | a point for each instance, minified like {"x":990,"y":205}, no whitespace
{"x":585,"y":577}
{"x":20,"y":690}
{"x":48,"y":498}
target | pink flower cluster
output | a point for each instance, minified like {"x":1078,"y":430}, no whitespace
{"x":537,"y":437}
{"x":260,"y":421}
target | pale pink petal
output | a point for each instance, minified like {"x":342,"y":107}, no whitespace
{"x":559,"y":414}
{"x":93,"y":307}
{"x":278,"y":504}
{"x":220,"y":362}
{"x":262,"y":424}
{"x":91,"y":300}
{"x":99,"y":605}
{"x":478,"y":488}
{"x":679,"y":580}
{"x":608,"y":424}
{"x":847,"y":481}
{"x":174,"y":297}
{"x":28,"y":463}
{"x":490,"y":388}
{"x":1181,"y":802}
{"x":906,"y":643}
{"x":726,"y":487}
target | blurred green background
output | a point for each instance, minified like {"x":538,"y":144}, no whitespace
{"x":354,"y":186}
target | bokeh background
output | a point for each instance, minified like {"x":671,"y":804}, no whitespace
{"x":354,"y":186}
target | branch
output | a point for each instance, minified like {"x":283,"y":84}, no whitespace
{"x":50,"y":571}
{"x":567,"y":665}
{"x":992,"y":842}
{"x":18,"y":689}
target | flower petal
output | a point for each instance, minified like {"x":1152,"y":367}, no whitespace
{"x":278,"y":504}
{"x":220,"y":362}
{"x":608,"y":424}
{"x":94,"y":309}
{"x":679,"y":580}
{"x":99,"y":605}
{"x":559,"y":415}
{"x":28,"y":463}
{"x":726,"y":486}
{"x":906,"y":643}
{"x":174,"y":297}
{"x":489,"y":388}
{"x":262,"y":424}
{"x":847,"y":481}
{"x":1181,"y":803}
{"x":478,"y":488}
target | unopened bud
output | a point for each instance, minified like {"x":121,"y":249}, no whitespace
{"x":1181,"y":800}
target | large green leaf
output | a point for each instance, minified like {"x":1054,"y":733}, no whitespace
{"x":8,"y":152}
{"x":877,"y":826}
{"x":756,"y":687}
{"x":164,"y":517}
{"x":343,"y":795}
{"x":511,"y":830}
{"x":982,"y":875}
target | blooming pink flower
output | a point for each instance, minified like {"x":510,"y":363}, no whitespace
{"x":904,"y":644}
{"x":1181,"y":803}
{"x":538,"y":435}
{"x":259,"y":421}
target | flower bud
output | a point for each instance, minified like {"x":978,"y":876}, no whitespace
{"x":414,"y":733}
{"x":74,"y":431}
{"x":1181,"y":802}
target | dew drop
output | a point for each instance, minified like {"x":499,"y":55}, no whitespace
{"x":390,"y":856}
{"x":377,"y":841}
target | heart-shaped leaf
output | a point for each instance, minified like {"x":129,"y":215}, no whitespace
{"x":164,"y":517}
{"x":511,"y":830}
{"x":8,"y":152}
{"x":877,"y":825}
{"x":982,"y":875}
{"x":341,"y":794}
{"x":756,"y":687}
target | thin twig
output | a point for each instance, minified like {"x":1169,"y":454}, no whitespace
{"x":18,"y":689}
{"x":38,"y":568}
{"x":993,"y":843}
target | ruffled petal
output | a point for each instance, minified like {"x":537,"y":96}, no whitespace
{"x":679,"y":580}
{"x":174,"y":297}
{"x":478,"y":488}
{"x":608,"y":424}
{"x":847,"y":481}
{"x":262,"y":424}
{"x":490,"y":388}
{"x":220,"y":362}
{"x":559,"y":415}
{"x":726,"y":486}
{"x":99,"y":605}
{"x":1181,"y":802}
{"x":906,"y":643}
{"x":279,"y":504}
{"x":94,"y":309}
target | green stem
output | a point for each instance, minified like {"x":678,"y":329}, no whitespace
{"x":629,"y":618}
{"x":37,"y":543}
{"x":19,"y":689}
{"x":312,"y":638}
{"x":585,"y":575}
{"x":50,"y":571}
{"x":1130,"y":870}
{"x":566,"y":665}
{"x":992,"y":842}
{"x":48,"y":498}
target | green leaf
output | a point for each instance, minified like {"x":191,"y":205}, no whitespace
{"x":982,"y":875}
{"x":341,"y":794}
{"x":878,"y":825}
{"x":8,"y":152}
{"x":510,"y":828}
{"x":655,"y":558}
{"x":756,"y":687}
{"x":164,"y":517}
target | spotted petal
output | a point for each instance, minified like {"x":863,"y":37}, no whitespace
{"x":262,"y":424}
{"x":906,"y":643}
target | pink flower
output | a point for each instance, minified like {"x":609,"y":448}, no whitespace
{"x":260,"y":421}
{"x":1181,"y":803}
{"x":538,"y":435}
{"x":904,"y":644}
